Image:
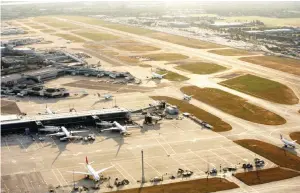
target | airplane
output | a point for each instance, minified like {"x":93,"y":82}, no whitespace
{"x":50,"y":129}
{"x":187,"y":97}
{"x":91,"y":171}
{"x":288,"y":143}
{"x":49,"y":111}
{"x":67,"y":134}
{"x":105,"y":124}
{"x":106,"y":96}
{"x":158,"y":76}
{"x":117,"y":127}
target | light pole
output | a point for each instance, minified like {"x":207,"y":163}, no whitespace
{"x":143,"y":172}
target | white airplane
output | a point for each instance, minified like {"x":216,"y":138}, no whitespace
{"x":187,"y":97}
{"x":65,"y":134}
{"x":117,"y":127}
{"x":288,"y":143}
{"x":50,"y":128}
{"x":106,"y":96}
{"x":91,"y":171}
{"x":105,"y":124}
{"x":158,"y":76}
{"x":49,"y":111}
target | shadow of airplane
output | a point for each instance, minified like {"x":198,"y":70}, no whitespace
{"x":61,"y":148}
{"x":118,"y":139}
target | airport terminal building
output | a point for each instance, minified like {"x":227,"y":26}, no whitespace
{"x":16,"y":123}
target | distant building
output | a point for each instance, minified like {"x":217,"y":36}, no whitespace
{"x":228,"y":25}
{"x":179,"y":24}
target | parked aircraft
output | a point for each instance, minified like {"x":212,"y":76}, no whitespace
{"x":91,"y":171}
{"x":117,"y":127}
{"x":187,"y":97}
{"x":50,"y":129}
{"x":288,"y":143}
{"x":105,"y":124}
{"x":65,"y":134}
{"x":158,"y":76}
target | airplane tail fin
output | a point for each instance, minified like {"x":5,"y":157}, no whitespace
{"x":280,"y":136}
{"x":86,"y":160}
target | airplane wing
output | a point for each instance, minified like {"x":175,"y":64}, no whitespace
{"x":82,"y":131}
{"x":111,"y":129}
{"x":56,"y":134}
{"x":85,"y":173}
{"x":164,"y":74}
{"x":71,"y":137}
{"x":102,"y":170}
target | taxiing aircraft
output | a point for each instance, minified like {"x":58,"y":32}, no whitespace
{"x":49,"y":111}
{"x":65,"y":134}
{"x":91,"y":171}
{"x":106,"y":96}
{"x":288,"y":143}
{"x":118,"y":127}
{"x":158,"y":76}
{"x":187,"y":97}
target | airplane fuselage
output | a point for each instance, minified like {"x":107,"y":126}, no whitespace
{"x":93,"y":172}
{"x":288,"y":143}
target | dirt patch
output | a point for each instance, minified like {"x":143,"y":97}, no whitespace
{"x":191,"y":186}
{"x":200,"y":67}
{"x":295,"y":136}
{"x":263,"y":88}
{"x":9,"y":107}
{"x":216,"y":122}
{"x":94,"y":46}
{"x":278,"y":63}
{"x":234,"y":105}
{"x":265,"y":176}
{"x":128,"y":59}
{"x":231,"y":52}
{"x":107,"y":86}
{"x":165,"y":57}
{"x":184,"y":41}
{"x":271,"y":152}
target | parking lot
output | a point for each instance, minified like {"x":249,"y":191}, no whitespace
{"x":170,"y":145}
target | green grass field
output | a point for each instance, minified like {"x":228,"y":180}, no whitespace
{"x":184,"y":41}
{"x":172,"y":76}
{"x":165,"y":56}
{"x":262,"y":88}
{"x":218,"y":124}
{"x":231,"y":52}
{"x":94,"y":21}
{"x":269,"y":21}
{"x":200,"y":67}
{"x":70,"y":37}
{"x":134,"y":47}
{"x":283,"y":64}
{"x":193,"y":43}
{"x":96,"y":36}
{"x":234,"y":105}
{"x":47,"y":31}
